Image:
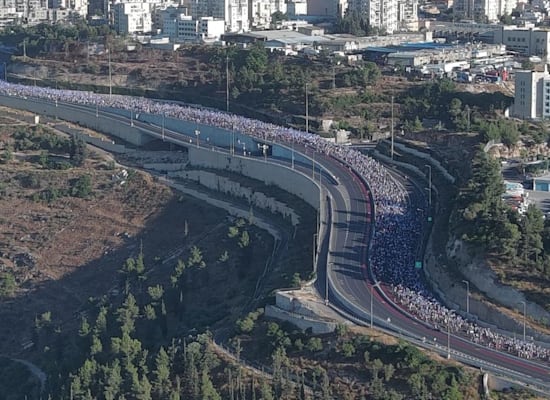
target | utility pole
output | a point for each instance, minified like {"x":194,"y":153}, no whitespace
{"x":307,"y":109}
{"x":371,"y":301}
{"x":429,"y":185}
{"x":227,"y":83}
{"x":524,"y":317}
{"x":110,"y":75}
{"x":163,"y":116}
{"x":333,"y":77}
{"x":392,"y":127}
{"x":467,"y":296}
{"x":326,"y":284}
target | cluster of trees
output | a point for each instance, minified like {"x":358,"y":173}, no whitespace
{"x":355,"y":23}
{"x":8,"y":285}
{"x":362,"y":76}
{"x":485,"y":220}
{"x":399,"y":366}
{"x":52,"y":37}
{"x":456,"y":110}
{"x":80,"y":187}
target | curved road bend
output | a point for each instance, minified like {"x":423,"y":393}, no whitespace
{"x":347,"y":258}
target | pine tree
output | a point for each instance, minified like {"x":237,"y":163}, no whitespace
{"x":161,"y":372}
{"x":112,"y":380}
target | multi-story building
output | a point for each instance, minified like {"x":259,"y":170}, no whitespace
{"x":407,"y":15}
{"x":382,"y":14}
{"x":525,"y":41}
{"x":132,"y":17}
{"x":297,"y":7}
{"x":330,"y":8}
{"x":8,"y":12}
{"x":532,"y":95}
{"x":233,"y":12}
{"x":480,"y":10}
{"x":180,"y":27}
{"x":260,"y":12}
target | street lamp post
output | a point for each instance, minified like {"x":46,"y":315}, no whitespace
{"x":292,"y":150}
{"x":371,"y":300}
{"x":326,"y":284}
{"x":449,"y":334}
{"x":97,"y":110}
{"x":197,"y":134}
{"x":131,"y":118}
{"x":467,"y":296}
{"x":307,"y":109}
{"x":5,"y":72}
{"x":163,"y":122}
{"x":524,"y":317}
{"x":429,"y":184}
{"x":264,"y":148}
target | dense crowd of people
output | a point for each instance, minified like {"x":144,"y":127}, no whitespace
{"x":399,"y":219}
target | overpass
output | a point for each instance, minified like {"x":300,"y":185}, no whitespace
{"x":346,"y":208}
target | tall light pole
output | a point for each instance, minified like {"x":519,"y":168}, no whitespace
{"x":392,"y":127}
{"x":131,"y":118}
{"x":97,"y":110}
{"x":232,"y":147}
{"x":326,"y":284}
{"x":524,"y":317}
{"x":5,"y":72}
{"x":227,"y":83}
{"x":197,"y":134}
{"x":292,"y":150}
{"x":264,"y":148}
{"x":429,"y":184}
{"x":371,"y":301}
{"x":467,"y":296}
{"x":110,"y":75}
{"x":307,"y":109}
{"x":449,"y":334}
{"x":163,"y":116}
{"x":314,"y":251}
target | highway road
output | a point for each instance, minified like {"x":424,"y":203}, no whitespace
{"x":347,"y":260}
{"x":351,"y":223}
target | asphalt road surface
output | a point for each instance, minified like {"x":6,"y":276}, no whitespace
{"x":347,"y":256}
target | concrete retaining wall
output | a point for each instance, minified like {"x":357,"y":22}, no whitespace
{"x":235,"y":189}
{"x":81,"y":116}
{"x":287,"y":179}
{"x":317,"y":327}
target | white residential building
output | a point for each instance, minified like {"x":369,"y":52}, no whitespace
{"x":233,"y":12}
{"x":260,"y":12}
{"x":532,"y":95}
{"x":525,"y":41}
{"x":407,"y":15}
{"x":129,"y":18}
{"x":479,"y":10}
{"x":382,"y":14}
{"x":296,"y":7}
{"x":331,"y":8}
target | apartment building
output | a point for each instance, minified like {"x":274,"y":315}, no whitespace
{"x":490,"y":10}
{"x":532,"y":95}
{"x":180,"y":27}
{"x":297,"y":7}
{"x":233,"y":12}
{"x":260,"y":12}
{"x":329,"y":8}
{"x":407,"y":15}
{"x":382,"y":14}
{"x":132,"y":17}
{"x":524,"y":41}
